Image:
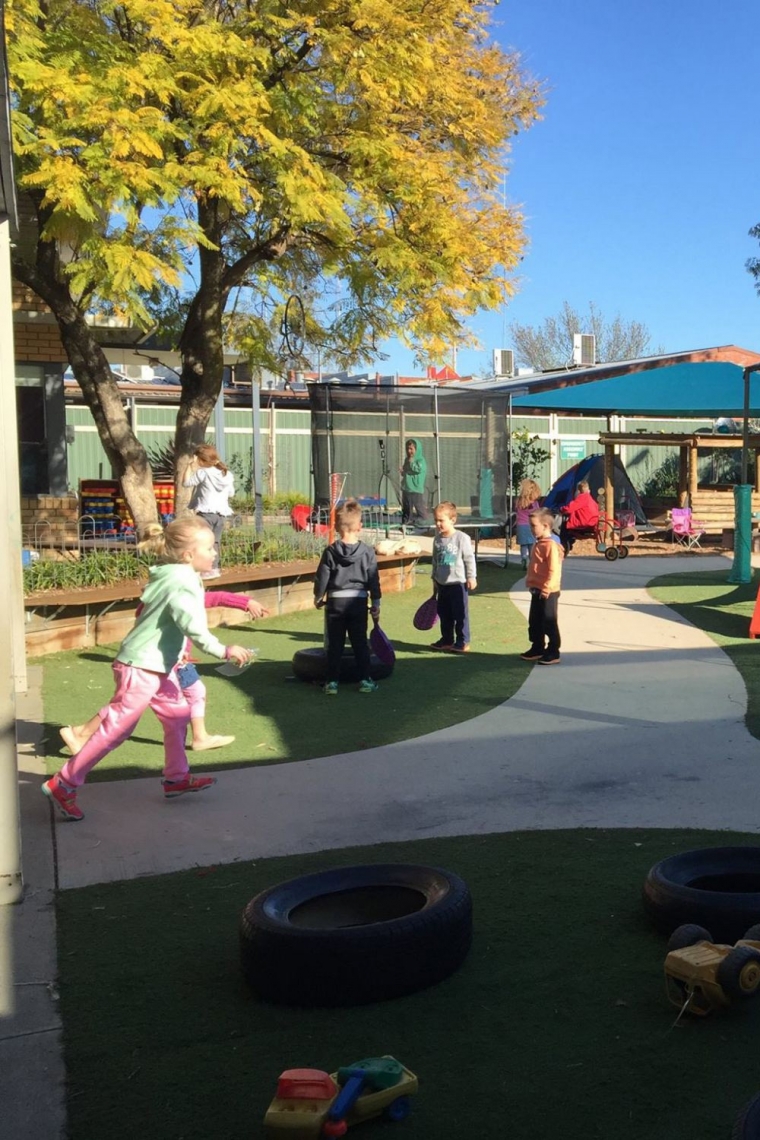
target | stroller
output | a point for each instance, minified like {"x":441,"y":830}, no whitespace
{"x":611,"y":532}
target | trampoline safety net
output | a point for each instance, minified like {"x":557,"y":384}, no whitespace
{"x":362,"y":430}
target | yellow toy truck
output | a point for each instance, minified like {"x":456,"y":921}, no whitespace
{"x":310,"y":1103}
{"x":701,"y":975}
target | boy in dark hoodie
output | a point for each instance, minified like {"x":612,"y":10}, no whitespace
{"x":346,"y":576}
{"x":413,"y":476}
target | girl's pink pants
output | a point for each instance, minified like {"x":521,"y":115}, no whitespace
{"x":136,"y":691}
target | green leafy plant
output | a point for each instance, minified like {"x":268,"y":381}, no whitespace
{"x":528,"y":456}
{"x":96,"y":568}
{"x":162,"y":460}
{"x":663,"y":483}
{"x":241,"y":546}
{"x":242,"y":468}
{"x":280,"y":504}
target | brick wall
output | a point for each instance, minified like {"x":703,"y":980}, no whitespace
{"x":36,"y":339}
{"x":38,"y":342}
{"x":49,"y":521}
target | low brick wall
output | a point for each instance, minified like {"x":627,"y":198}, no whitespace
{"x":79,"y":619}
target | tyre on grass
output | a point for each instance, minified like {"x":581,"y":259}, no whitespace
{"x":311,"y":665}
{"x":747,"y":1123}
{"x":352,"y":935}
{"x":714,"y":887}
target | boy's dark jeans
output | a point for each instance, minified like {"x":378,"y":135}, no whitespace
{"x":347,"y":616}
{"x":542,"y":623}
{"x":454,"y":612}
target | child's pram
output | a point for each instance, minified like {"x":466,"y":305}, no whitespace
{"x":610,"y":534}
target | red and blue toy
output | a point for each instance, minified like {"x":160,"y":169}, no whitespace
{"x":310,"y":1103}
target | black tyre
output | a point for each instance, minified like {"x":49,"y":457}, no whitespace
{"x":353,"y":935}
{"x":611,"y":554}
{"x":311,"y":665}
{"x":739,"y":972}
{"x":688,"y":935}
{"x":747,"y":1124}
{"x":752,"y":934}
{"x":715,"y":887}
{"x":623,"y":551}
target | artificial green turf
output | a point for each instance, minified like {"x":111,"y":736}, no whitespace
{"x":723,"y":610}
{"x":275,"y":718}
{"x":557,"y":1025}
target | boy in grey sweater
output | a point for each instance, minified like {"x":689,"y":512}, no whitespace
{"x":454,"y":575}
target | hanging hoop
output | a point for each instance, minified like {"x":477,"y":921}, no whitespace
{"x":293,"y":325}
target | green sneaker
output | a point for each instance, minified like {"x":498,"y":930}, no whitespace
{"x":331,"y":688}
{"x":368,"y":687}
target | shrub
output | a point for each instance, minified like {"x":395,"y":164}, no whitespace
{"x":241,"y":546}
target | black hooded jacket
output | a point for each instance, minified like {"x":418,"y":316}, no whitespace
{"x":344,"y":567}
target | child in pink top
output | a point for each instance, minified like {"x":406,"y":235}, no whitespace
{"x":75,"y":736}
{"x":528,"y":496}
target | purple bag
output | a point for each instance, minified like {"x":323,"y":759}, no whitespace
{"x":427,"y":614}
{"x":381,"y":645}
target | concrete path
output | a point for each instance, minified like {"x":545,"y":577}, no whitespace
{"x":640,"y":726}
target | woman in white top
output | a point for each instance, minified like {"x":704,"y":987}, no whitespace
{"x":213,"y":487}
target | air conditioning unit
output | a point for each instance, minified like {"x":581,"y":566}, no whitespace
{"x":503,"y":362}
{"x":584,"y":348}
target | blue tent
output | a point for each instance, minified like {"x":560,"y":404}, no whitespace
{"x":592,"y":470}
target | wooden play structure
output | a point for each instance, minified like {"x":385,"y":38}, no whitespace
{"x":713,"y":506}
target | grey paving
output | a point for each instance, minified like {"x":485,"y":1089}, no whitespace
{"x":31,"y":1064}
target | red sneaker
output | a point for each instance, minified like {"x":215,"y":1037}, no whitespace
{"x":190,"y":783}
{"x":64,"y":798}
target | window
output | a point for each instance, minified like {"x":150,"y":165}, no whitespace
{"x":32,"y":433}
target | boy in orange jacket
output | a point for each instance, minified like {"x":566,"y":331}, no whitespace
{"x":543,"y":580}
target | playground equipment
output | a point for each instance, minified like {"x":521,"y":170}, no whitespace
{"x":701,"y":975}
{"x":311,"y":1103}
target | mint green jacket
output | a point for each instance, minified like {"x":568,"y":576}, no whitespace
{"x":171,"y":609}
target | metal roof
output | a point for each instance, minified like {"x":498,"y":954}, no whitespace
{"x":701,"y":382}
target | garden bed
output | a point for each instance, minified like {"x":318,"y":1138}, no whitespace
{"x":77,"y":619}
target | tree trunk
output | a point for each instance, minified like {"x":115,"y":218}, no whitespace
{"x":93,"y":373}
{"x":102,"y":396}
{"x":202,"y":349}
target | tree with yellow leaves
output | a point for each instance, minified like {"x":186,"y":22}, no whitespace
{"x":205,"y":159}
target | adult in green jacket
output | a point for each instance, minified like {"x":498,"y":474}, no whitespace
{"x":413,"y":476}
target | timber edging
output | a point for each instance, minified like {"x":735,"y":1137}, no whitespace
{"x":79,"y":619}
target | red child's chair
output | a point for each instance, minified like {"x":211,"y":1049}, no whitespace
{"x":301,"y":519}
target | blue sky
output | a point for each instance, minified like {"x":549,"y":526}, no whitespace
{"x":642,"y":180}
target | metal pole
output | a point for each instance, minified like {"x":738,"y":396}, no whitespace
{"x":256,"y":454}
{"x":437,"y":451}
{"x":745,"y":431}
{"x":511,"y":469}
{"x":12,"y":618}
{"x":219,"y":425}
